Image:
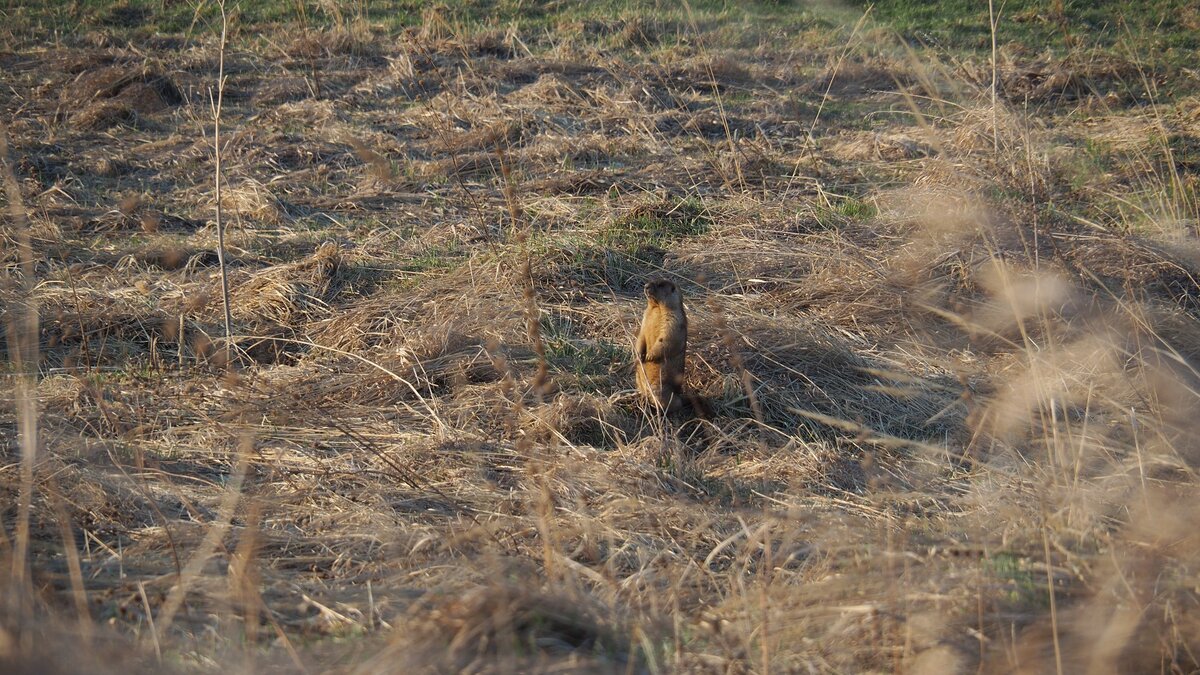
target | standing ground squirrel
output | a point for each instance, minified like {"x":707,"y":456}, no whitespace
{"x":662,"y":349}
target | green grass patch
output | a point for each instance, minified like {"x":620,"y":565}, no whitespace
{"x":856,"y":209}
{"x":411,"y":268}
{"x":1160,"y":32}
{"x":964,"y":24}
{"x":845,"y":211}
{"x":615,"y":24}
{"x":1022,"y":588}
{"x":654,"y":226}
{"x":432,"y":260}
{"x":590,"y":363}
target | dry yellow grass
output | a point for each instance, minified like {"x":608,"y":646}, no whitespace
{"x":954,"y":383}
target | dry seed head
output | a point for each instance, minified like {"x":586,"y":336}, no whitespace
{"x":129,"y":205}
{"x":171,"y":258}
{"x":541,"y":380}
{"x":937,"y":212}
{"x":197,"y":301}
{"x":1019,"y":296}
{"x":150,"y":222}
{"x":201,"y":345}
{"x":1073,"y":374}
{"x":936,"y":660}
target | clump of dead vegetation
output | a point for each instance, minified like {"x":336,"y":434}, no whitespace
{"x":952,"y":427}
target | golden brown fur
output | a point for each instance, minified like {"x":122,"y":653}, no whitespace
{"x":662,"y":345}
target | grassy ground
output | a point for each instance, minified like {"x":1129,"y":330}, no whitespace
{"x":950,"y":339}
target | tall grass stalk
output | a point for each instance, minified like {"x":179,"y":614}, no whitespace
{"x":23,"y":349}
{"x":216,"y":113}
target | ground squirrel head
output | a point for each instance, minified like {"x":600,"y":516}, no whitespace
{"x":663,"y":292}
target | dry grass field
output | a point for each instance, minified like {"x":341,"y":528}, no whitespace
{"x":943,"y":303}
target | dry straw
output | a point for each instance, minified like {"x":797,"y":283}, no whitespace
{"x":950,"y":345}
